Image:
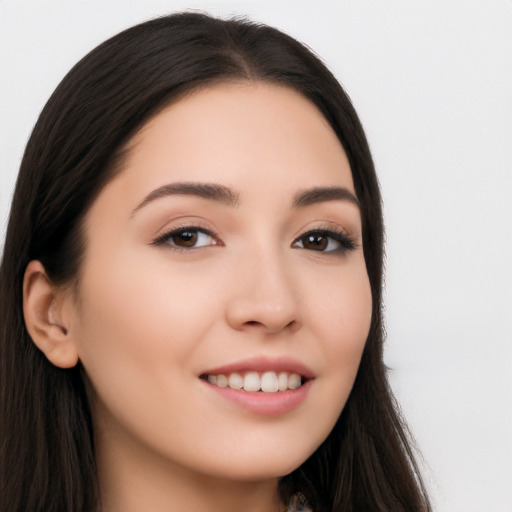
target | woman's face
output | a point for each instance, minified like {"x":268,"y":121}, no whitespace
{"x":226,"y":253}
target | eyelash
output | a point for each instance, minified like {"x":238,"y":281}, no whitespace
{"x":343,"y":241}
{"x":167,"y":237}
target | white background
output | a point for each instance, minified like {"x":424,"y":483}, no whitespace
{"x":432,"y":82}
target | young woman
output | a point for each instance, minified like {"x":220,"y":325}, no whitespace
{"x":191,"y":287}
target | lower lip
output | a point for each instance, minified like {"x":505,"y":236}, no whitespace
{"x":265,"y":404}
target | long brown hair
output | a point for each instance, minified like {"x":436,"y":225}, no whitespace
{"x":47,"y":447}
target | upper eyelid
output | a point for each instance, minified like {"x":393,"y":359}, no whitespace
{"x":167,"y":233}
{"x":326,"y":226}
{"x":337,"y":235}
{"x":326,"y":230}
{"x":186,"y":222}
{"x":329,"y":232}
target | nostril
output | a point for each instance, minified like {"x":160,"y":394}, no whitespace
{"x":250,"y":324}
{"x":261,"y":314}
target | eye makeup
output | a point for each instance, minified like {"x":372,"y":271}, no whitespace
{"x":328,"y":240}
{"x":325,"y":240}
{"x":187,"y":237}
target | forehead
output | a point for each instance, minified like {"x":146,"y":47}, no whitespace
{"x":241,"y":134}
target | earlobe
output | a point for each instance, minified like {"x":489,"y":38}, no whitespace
{"x":47,"y":316}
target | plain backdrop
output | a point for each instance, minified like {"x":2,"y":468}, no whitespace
{"x":432,"y":82}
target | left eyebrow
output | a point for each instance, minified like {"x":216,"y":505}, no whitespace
{"x":322,"y":194}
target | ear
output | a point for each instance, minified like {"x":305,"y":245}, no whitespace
{"x":48,"y":312}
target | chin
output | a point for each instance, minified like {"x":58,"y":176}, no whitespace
{"x":261,"y":466}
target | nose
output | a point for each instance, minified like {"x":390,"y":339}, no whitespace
{"x":263,"y":296}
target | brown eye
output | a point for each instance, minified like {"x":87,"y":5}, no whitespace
{"x":324,"y":241}
{"x":315,"y":242}
{"x":186,"y":238}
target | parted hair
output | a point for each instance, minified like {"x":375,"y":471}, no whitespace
{"x":47,"y":454}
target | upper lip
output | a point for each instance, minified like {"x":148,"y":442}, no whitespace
{"x":263,"y":364}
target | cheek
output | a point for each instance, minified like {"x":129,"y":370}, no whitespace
{"x":139,"y":331}
{"x":139,"y":320}
{"x":341,"y":309}
{"x":342,"y":317}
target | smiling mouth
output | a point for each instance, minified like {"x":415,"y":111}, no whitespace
{"x":265,"y":382}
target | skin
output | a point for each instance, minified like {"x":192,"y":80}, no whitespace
{"x":148,"y":319}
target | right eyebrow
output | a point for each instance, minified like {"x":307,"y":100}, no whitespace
{"x":210,"y":191}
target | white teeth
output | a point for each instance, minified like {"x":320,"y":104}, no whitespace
{"x":222,"y":381}
{"x":282,"y":381}
{"x":235,"y":381}
{"x":267,"y":382}
{"x":293,"y":381}
{"x":252,"y":382}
